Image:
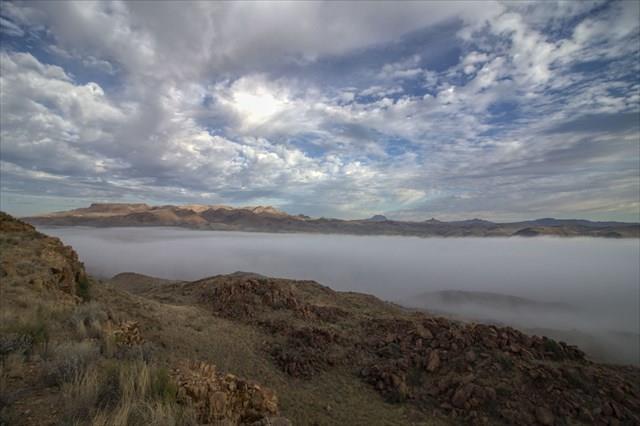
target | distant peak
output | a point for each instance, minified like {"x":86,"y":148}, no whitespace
{"x":102,"y":205}
{"x":377,"y":218}
{"x":199,"y":208}
{"x":116,"y":207}
{"x":266,"y":210}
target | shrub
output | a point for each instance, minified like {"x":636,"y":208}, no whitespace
{"x":162,"y":387}
{"x":24,"y":335}
{"x":83,"y":288}
{"x":109,"y":385}
{"x":87,"y":319}
{"x":71,"y":360}
{"x":553,"y":347}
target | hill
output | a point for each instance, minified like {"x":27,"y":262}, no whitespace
{"x":269,"y":219}
{"x":138,"y":350}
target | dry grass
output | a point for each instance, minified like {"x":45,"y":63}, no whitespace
{"x":70,"y":360}
{"x":12,"y":367}
{"x":118,"y":393}
{"x":88,"y":320}
{"x":81,"y":395}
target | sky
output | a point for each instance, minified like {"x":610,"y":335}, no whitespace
{"x":502,"y":111}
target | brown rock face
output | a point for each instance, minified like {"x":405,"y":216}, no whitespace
{"x":224,"y":398}
{"x":27,"y":256}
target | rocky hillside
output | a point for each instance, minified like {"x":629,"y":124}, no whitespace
{"x":443,"y":369}
{"x":73,"y":351}
{"x":43,"y":263}
{"x":269,"y":219}
{"x":249,"y":349}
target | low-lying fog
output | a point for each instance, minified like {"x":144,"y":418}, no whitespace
{"x":589,"y":287}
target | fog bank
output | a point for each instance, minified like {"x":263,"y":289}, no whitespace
{"x":596,"y":278}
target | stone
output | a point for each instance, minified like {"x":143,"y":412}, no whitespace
{"x":223,"y":399}
{"x":434,"y":361}
{"x":544,"y":416}
{"x":461,"y":395}
{"x":470,"y":356}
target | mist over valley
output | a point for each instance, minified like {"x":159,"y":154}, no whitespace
{"x":581,"y":290}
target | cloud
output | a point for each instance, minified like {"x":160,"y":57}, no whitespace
{"x":432,"y":108}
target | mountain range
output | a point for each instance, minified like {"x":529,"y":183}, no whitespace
{"x":270,"y":219}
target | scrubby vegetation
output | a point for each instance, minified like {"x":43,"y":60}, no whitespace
{"x":83,"y":288}
{"x":96,"y":383}
{"x":71,"y":356}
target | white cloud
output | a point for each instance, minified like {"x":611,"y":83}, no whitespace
{"x":256,"y":101}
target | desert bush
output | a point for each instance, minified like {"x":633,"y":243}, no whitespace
{"x":24,"y":335}
{"x":13,"y":366}
{"x":83,"y":288}
{"x":162,"y":387}
{"x":70,"y":360}
{"x":14,"y":343}
{"x":87,"y":319}
{"x":553,"y":347}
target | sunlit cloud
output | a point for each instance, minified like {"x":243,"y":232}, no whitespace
{"x":446,"y":109}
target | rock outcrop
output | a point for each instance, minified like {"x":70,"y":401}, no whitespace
{"x":126,"y":333}
{"x":224,"y":399}
{"x":27,"y":256}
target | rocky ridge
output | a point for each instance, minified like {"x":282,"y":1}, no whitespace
{"x":42,"y":262}
{"x":480,"y":374}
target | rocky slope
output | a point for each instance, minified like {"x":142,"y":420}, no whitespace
{"x":156,"y":349}
{"x":466,"y":372}
{"x":269,"y":219}
{"x":42,"y":262}
{"x":69,"y":359}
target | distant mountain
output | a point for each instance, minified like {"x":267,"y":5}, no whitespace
{"x":453,"y":298}
{"x":270,"y":219}
{"x":377,"y":218}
